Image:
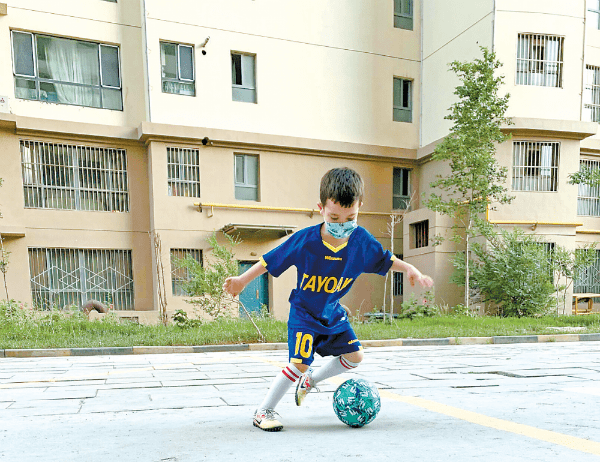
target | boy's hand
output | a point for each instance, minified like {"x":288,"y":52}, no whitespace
{"x":414,"y":275}
{"x":233,"y":285}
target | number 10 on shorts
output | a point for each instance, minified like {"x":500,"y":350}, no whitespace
{"x":304,"y":344}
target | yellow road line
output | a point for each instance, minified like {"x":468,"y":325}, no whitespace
{"x":571,"y":442}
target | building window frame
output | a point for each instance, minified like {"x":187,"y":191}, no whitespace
{"x":398,"y":280}
{"x":402,"y":100}
{"x":180,"y":274}
{"x":594,"y":9}
{"x":61,"y":277}
{"x":183,"y":171}
{"x":591,"y":94}
{"x":535,"y":166}
{"x":401,"y":188}
{"x":105,"y":94}
{"x":403,"y":14}
{"x":588,"y":197}
{"x":179,"y":82}
{"x":419,"y":234}
{"x":540,"y":59}
{"x":74,"y":177}
{"x":243,"y":77}
{"x":246,"y":177}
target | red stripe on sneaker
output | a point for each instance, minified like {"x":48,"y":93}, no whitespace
{"x":289,"y":374}
{"x":345,"y":363}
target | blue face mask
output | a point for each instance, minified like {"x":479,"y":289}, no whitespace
{"x":341,"y":230}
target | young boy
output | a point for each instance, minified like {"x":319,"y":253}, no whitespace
{"x":329,"y":257}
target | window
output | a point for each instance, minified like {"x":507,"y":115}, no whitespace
{"x":540,"y":60}
{"x":401,"y":188}
{"x":69,"y":177}
{"x":402,"y":100}
{"x":177,"y":67}
{"x":587,"y":279}
{"x":591,"y":94}
{"x":243,"y":75}
{"x":403,"y":14}
{"x":66,"y":71}
{"x":246,"y":177}
{"x":398,"y":280}
{"x":65,"y":277}
{"x":183,"y":169}
{"x":419,"y":234}
{"x":180,"y":274}
{"x":593,"y":16}
{"x":588,"y":197}
{"x":535,"y":166}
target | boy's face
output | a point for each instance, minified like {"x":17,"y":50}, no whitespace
{"x":334,"y":213}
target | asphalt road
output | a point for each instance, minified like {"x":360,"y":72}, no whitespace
{"x":523,"y":402}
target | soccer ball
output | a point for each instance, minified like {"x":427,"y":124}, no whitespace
{"x":356,"y":402}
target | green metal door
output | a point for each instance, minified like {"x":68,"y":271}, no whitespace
{"x":256,"y":294}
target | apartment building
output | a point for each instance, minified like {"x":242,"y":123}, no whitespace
{"x":125,"y":120}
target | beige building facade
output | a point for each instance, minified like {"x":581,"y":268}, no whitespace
{"x":125,"y":120}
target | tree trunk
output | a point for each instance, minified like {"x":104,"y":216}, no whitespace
{"x":467,"y":266}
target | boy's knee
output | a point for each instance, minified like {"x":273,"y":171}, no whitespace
{"x":301,"y":367}
{"x":355,"y":357}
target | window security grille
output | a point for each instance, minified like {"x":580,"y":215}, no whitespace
{"x":403,"y":14}
{"x":65,"y":277}
{"x":420,"y":234}
{"x":587,"y":279}
{"x":398,"y":281}
{"x":402,"y":100}
{"x":70,"y":177}
{"x":177,"y":65}
{"x":183,"y":169}
{"x":179,"y":273}
{"x":66,"y":71}
{"x":246,"y":177}
{"x":401,"y":188}
{"x":588,"y":197}
{"x":243,"y":76}
{"x":535,"y":166}
{"x":591,"y":94}
{"x":539,"y":60}
{"x":593,"y":16}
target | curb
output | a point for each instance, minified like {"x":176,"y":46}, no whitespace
{"x":144,"y":350}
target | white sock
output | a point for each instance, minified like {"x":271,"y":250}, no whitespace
{"x":334,"y":367}
{"x":281,"y":384}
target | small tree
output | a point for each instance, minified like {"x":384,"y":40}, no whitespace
{"x":514,"y":272}
{"x":476,"y":179}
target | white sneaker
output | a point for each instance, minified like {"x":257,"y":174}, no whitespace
{"x":305,"y":385}
{"x":265,"y":420}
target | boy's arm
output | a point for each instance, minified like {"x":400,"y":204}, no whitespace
{"x":234,"y":285}
{"x":413,"y":274}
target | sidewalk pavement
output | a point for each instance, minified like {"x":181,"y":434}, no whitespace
{"x":493,"y":402}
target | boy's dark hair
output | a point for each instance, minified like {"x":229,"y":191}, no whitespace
{"x":342,"y":185}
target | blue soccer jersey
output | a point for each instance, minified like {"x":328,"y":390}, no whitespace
{"x":325,"y":274}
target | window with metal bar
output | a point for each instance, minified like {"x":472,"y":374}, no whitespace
{"x":403,"y":14}
{"x":71,"y":177}
{"x":66,"y":71}
{"x":593,"y":16}
{"x":180,"y":274}
{"x":183,"y":169}
{"x":243,"y":77}
{"x":398,"y":280}
{"x":591,"y":94}
{"x":177,"y":65}
{"x":401,"y":188}
{"x":539,"y":60}
{"x":588,"y":196}
{"x":67,"y":277}
{"x":402,"y":100}
{"x":535,"y":166}
{"x":419,"y":234}
{"x":587,"y":280}
{"x":246,"y":177}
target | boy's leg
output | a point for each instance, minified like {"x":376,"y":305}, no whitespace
{"x":347,"y":352}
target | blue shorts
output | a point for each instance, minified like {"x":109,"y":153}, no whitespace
{"x":303,"y":344}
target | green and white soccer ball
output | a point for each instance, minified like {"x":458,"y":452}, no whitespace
{"x":356,"y":402}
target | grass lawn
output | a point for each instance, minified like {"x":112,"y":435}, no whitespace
{"x":53,"y":330}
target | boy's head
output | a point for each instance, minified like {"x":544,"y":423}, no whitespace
{"x":343,"y":186}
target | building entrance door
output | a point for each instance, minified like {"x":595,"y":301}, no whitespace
{"x":256,"y":294}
